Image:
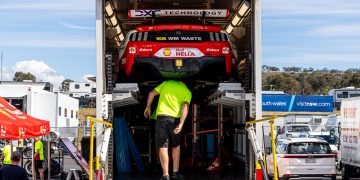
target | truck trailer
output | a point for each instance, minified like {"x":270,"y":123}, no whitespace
{"x":349,"y":138}
{"x":215,"y":143}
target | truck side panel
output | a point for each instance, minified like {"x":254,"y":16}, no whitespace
{"x":350,"y":132}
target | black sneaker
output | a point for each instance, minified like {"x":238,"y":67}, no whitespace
{"x":167,"y":177}
{"x":178,"y":176}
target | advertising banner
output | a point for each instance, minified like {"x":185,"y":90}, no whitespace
{"x":294,"y":103}
{"x":209,"y":13}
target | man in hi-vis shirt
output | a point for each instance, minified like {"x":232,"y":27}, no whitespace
{"x":172,"y":109}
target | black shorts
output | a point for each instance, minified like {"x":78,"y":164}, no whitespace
{"x":164,"y":132}
{"x":39,"y":164}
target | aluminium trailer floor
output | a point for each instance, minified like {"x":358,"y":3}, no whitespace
{"x":228,"y":174}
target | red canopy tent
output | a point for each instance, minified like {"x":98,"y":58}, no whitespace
{"x":15,"y":124}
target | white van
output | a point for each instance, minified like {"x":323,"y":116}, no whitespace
{"x":303,"y":157}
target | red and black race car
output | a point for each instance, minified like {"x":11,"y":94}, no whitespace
{"x":176,"y":51}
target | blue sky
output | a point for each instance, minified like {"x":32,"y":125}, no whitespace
{"x":311,"y":33}
{"x":52,"y":39}
{"x":55,"y":39}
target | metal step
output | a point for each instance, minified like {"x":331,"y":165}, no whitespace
{"x":231,"y":94}
{"x":125,"y":94}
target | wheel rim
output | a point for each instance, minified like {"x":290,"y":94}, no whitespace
{"x":28,"y":168}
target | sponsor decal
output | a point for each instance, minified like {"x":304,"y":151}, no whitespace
{"x":212,"y":50}
{"x":225,"y":50}
{"x":161,"y":38}
{"x":22,"y":132}
{"x":179,"y":52}
{"x":145,"y":49}
{"x":167,"y":52}
{"x":132,"y":50}
{"x":123,"y":61}
{"x":213,"y":13}
{"x":179,"y":38}
{"x":43,"y":129}
{"x":2,"y":130}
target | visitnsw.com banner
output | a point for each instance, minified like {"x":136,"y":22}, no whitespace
{"x":297,"y":103}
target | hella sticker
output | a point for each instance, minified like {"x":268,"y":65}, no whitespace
{"x":179,"y":52}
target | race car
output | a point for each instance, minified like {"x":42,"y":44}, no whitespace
{"x":176,"y":51}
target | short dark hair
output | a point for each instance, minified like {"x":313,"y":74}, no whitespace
{"x":7,"y":141}
{"x":16,"y":156}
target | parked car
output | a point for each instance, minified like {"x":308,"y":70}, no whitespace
{"x":294,"y":131}
{"x":303,"y":157}
{"x":329,"y":137}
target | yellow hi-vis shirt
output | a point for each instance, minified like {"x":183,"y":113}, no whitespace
{"x":172,"y":96}
{"x":7,"y":154}
{"x":39,"y":148}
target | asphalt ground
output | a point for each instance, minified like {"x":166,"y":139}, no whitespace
{"x":69,"y":163}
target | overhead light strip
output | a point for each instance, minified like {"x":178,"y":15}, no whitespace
{"x":238,"y":17}
{"x":112,"y":19}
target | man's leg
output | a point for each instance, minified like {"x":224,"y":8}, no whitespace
{"x":176,"y":141}
{"x":161,"y":142}
{"x":164,"y":160}
{"x":34,"y":173}
{"x":176,"y":158}
{"x":41,"y":172}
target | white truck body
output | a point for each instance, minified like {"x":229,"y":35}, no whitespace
{"x":349,"y":137}
{"x":350,"y":129}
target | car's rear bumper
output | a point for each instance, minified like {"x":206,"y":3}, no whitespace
{"x":182,"y":67}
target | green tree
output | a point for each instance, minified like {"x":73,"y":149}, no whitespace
{"x":21,"y":76}
{"x":355,"y":80}
{"x":284,"y":82}
{"x":65,"y":85}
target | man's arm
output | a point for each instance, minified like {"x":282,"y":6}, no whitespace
{"x":184,"y":113}
{"x":150,"y":99}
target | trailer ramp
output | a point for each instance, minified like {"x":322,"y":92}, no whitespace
{"x":76,"y":155}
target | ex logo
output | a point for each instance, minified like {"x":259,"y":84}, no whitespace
{"x":145,"y":13}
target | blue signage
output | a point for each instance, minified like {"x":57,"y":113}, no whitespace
{"x":288,"y":103}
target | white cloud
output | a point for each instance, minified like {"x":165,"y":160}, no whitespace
{"x":343,"y":30}
{"x":40,"y":70}
{"x":311,"y":8}
{"x":84,"y":78}
{"x":6,"y":74}
{"x":72,"y":26}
